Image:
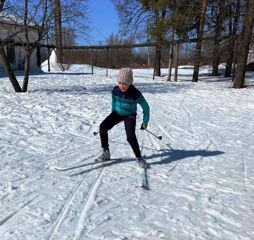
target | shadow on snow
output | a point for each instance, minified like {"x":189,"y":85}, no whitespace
{"x":167,"y":156}
{"x":172,"y":155}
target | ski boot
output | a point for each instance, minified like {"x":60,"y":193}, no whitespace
{"x":141,"y":162}
{"x":105,"y":156}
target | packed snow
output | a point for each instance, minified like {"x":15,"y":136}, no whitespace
{"x":201,"y":173}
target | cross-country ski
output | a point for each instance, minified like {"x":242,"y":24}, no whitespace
{"x":142,"y":178}
{"x":88,"y":163}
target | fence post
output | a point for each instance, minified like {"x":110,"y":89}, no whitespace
{"x":92,"y":60}
{"x":170,"y":62}
{"x":235,"y":45}
{"x":148,"y":57}
{"x":48,"y":59}
{"x":176,"y":61}
{"x":107,"y":64}
{"x":155,"y":62}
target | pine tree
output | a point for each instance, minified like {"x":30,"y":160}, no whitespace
{"x":233,"y":22}
{"x":244,"y":44}
{"x":217,"y":36}
{"x":200,"y":31}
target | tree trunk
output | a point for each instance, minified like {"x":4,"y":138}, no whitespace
{"x":216,"y":47}
{"x":232,"y":36}
{"x":6,"y":63}
{"x":8,"y":70}
{"x":244,"y":44}
{"x":26,"y":71}
{"x":230,"y":55}
{"x":157,"y":67}
{"x":176,"y":61}
{"x":58,"y":31}
{"x":200,"y":31}
{"x":1,"y":5}
{"x":170,"y":62}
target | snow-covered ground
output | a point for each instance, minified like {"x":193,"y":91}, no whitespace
{"x":201,"y":175}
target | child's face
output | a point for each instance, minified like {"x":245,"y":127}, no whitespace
{"x":123,"y":86}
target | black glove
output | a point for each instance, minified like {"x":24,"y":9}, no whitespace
{"x":143,"y":126}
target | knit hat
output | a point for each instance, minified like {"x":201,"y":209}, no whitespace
{"x":125,"y":75}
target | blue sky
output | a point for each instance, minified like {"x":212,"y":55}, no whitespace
{"x":104,"y":20}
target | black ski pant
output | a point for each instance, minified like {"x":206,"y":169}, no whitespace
{"x":130,"y":124}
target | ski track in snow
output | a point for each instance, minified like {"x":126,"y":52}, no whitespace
{"x":86,"y":205}
{"x":200,"y":175}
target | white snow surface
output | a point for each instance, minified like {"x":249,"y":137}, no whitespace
{"x":201,"y":173}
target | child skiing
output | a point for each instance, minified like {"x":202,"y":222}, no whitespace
{"x":125,"y":98}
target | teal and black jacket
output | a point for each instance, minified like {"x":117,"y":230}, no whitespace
{"x":125,"y":103}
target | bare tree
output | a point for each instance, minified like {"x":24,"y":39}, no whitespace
{"x":41,"y":32}
{"x":58,"y":30}
{"x":244,"y":44}
{"x":29,"y":20}
{"x":6,"y":62}
{"x":74,"y":17}
{"x":31,"y":42}
{"x":142,"y":18}
{"x":70,"y":21}
{"x":120,"y":57}
{"x":33,"y":16}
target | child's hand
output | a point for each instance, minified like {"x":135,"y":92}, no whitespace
{"x":143,"y":126}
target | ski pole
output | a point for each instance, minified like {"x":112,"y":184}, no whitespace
{"x":95,"y":133}
{"x":159,"y":137}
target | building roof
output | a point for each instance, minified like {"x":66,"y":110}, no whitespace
{"x":15,"y":20}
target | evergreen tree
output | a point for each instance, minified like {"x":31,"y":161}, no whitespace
{"x":233,"y":13}
{"x":200,"y":31}
{"x":244,"y":44}
{"x":219,"y":19}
